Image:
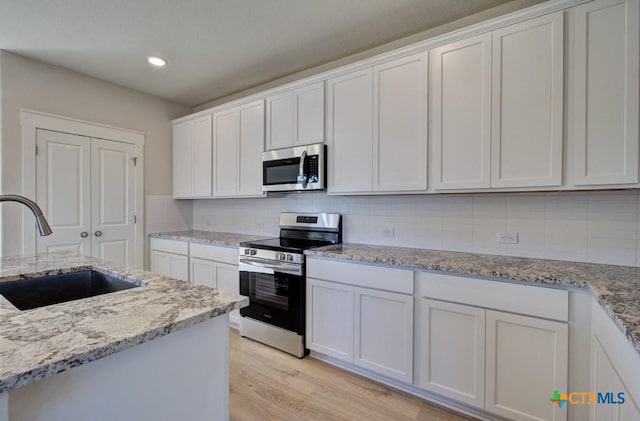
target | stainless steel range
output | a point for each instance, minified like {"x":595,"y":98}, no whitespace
{"x":272,"y":275}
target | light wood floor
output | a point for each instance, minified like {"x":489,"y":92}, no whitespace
{"x":267,"y":384}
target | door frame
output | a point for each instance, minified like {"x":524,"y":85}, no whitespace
{"x":33,"y":120}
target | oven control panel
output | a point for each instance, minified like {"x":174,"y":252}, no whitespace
{"x":293,"y":258}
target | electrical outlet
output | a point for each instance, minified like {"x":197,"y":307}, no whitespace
{"x":507,"y":237}
{"x":387,"y":232}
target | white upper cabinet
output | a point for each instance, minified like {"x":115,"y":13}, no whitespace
{"x":400,"y":124}
{"x":295,"y":117}
{"x":460,"y":112}
{"x":377,"y":128}
{"x":527,"y":103}
{"x":350,"y":132}
{"x":238,"y":138}
{"x":192,"y":158}
{"x":605,"y":95}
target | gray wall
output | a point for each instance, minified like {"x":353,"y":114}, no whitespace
{"x":34,"y":85}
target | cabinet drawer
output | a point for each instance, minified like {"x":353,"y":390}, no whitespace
{"x":216,"y":253}
{"x":377,"y":277}
{"x":170,"y":246}
{"x":524,"y":299}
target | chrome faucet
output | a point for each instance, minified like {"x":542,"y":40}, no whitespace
{"x":41,"y":221}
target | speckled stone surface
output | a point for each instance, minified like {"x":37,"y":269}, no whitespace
{"x":617,"y":288}
{"x":41,"y":342}
{"x":208,"y":237}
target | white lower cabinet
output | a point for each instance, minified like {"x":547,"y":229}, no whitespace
{"x":453,"y":338}
{"x":526,"y":361}
{"x":367,"y":327}
{"x":504,"y":363}
{"x":615,"y":370}
{"x":215,"y":267}
{"x":170,"y":258}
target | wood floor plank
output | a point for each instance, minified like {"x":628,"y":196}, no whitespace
{"x":267,"y":384}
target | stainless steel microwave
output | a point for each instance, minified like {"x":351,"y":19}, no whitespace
{"x":300,"y":168}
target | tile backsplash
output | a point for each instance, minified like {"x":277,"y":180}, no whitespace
{"x":598,"y":227}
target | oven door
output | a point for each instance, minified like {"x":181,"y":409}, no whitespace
{"x":276,"y":293}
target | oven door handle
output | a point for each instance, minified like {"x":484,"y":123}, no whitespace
{"x":277,"y":268}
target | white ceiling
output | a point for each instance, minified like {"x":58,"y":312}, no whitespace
{"x":214,"y":47}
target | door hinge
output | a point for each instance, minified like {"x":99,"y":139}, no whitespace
{"x":135,"y":161}
{"x":135,"y":219}
{"x":36,"y":149}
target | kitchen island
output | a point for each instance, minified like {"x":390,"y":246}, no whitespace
{"x":158,"y":351}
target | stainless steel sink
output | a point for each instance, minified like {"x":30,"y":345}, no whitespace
{"x":31,"y":293}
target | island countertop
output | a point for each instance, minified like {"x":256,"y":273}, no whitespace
{"x":44,"y":341}
{"x":616,"y":288}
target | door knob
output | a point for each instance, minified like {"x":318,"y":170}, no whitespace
{"x":98,"y":233}
{"x":84,"y":234}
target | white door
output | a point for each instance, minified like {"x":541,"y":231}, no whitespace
{"x":182,"y":159}
{"x":381,"y":319}
{"x":113,"y":201}
{"x":350,"y":132}
{"x":526,"y":360}
{"x":330,"y":319}
{"x":169,"y":264}
{"x":461,"y":113}
{"x":400,"y":124}
{"x":606,"y":93}
{"x":451,"y":350}
{"x":63,"y":191}
{"x":526,"y":130}
{"x":87,"y":189}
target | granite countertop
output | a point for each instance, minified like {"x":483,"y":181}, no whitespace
{"x":617,"y":288}
{"x":44,"y":341}
{"x":208,"y":237}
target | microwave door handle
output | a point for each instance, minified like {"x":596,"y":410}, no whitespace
{"x":302,"y":178}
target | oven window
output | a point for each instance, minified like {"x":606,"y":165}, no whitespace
{"x":281,"y":172}
{"x":271,"y":291}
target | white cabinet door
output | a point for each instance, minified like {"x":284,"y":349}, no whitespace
{"x":251,"y":145}
{"x":202,"y":272}
{"x":330,"y":319}
{"x":280,"y":122}
{"x":192,"y":158}
{"x":383,"y":331}
{"x":202,"y":159}
{"x":182,"y":155}
{"x":400,"y":124}
{"x":526,"y":147}
{"x":169,"y":264}
{"x":460,"y":107}
{"x":526,"y":360}
{"x":605,"y":126}
{"x":451,"y":348}
{"x":225,"y":138}
{"x":350,"y":132}
{"x":228,"y":280}
{"x":309,"y":114}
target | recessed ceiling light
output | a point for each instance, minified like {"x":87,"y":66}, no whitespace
{"x":157,"y":61}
